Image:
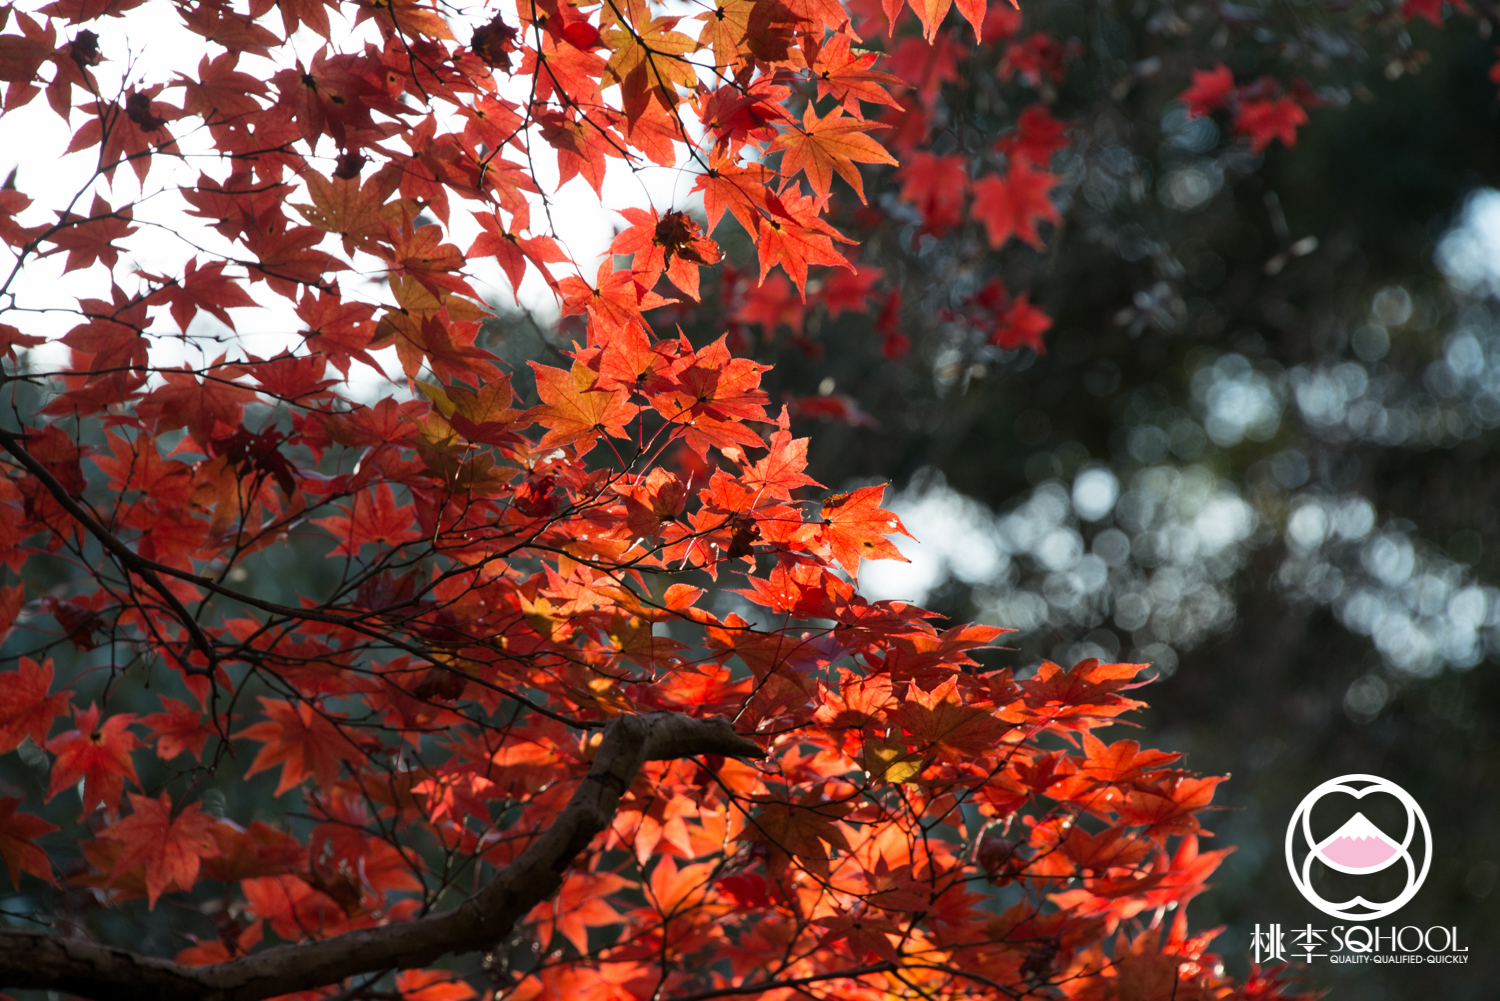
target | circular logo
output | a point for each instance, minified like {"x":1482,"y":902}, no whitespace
{"x":1358,"y":847}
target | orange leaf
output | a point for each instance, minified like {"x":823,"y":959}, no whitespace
{"x":513,"y":251}
{"x":577,"y":907}
{"x":847,"y":75}
{"x":670,"y":243}
{"x":793,"y":235}
{"x":781,"y":471}
{"x":940,"y":722}
{"x":574,"y":411}
{"x":358,"y":213}
{"x":614,"y":302}
{"x":823,"y":146}
{"x":432,"y":985}
{"x":855,"y":527}
{"x":802,"y":831}
{"x":673,"y":888}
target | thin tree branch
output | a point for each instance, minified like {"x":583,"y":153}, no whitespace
{"x":127,"y":558}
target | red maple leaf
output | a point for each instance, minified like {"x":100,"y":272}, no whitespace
{"x":1012,"y":205}
{"x":670,"y":243}
{"x":1037,"y":136}
{"x":936,"y":184}
{"x":939,"y":722}
{"x":1086,"y":690}
{"x":421,"y":254}
{"x":615,"y":301}
{"x":127,"y":131}
{"x":171,"y":848}
{"x":582,"y":148}
{"x":849,"y":291}
{"x":235,"y":31}
{"x":578,"y":906}
{"x":736,"y":115}
{"x":372,"y":518}
{"x":1431,"y":10}
{"x":99,"y":755}
{"x":181,"y":728}
{"x":12,"y":338}
{"x":927,"y":65}
{"x":791,"y":234}
{"x":1169,"y":806}
{"x":259,"y":850}
{"x":203,"y":290}
{"x":713,"y":383}
{"x":26,"y":710}
{"x":18,"y":834}
{"x":742,"y":190}
{"x":821,"y":147}
{"x":12,"y":597}
{"x":303,"y":741}
{"x":514,"y":251}
{"x":221,"y":93}
{"x":1021,"y":325}
{"x":772,"y":303}
{"x":849,"y":76}
{"x":199,"y":405}
{"x":1037,"y":57}
{"x":89,"y":239}
{"x":286,"y":258}
{"x":337,"y":329}
{"x":1210,"y":91}
{"x":112,"y":338}
{"x":432,"y":985}
{"x":1265,"y":120}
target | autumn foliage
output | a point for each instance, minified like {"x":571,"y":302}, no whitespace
{"x":506,"y":576}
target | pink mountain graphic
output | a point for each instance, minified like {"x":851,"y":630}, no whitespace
{"x":1358,"y":846}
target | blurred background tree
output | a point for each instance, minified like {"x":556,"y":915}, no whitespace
{"x":1258,"y":446}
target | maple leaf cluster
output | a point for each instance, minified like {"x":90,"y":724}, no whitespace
{"x":502,"y":597}
{"x":1009,"y":203}
{"x":1011,"y":323}
{"x":1260,"y":111}
{"x":506,"y":577}
{"x":1005,"y":188}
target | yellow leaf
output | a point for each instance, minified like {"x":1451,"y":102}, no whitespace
{"x":887,"y":761}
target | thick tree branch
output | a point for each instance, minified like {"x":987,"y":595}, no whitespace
{"x":35,"y":960}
